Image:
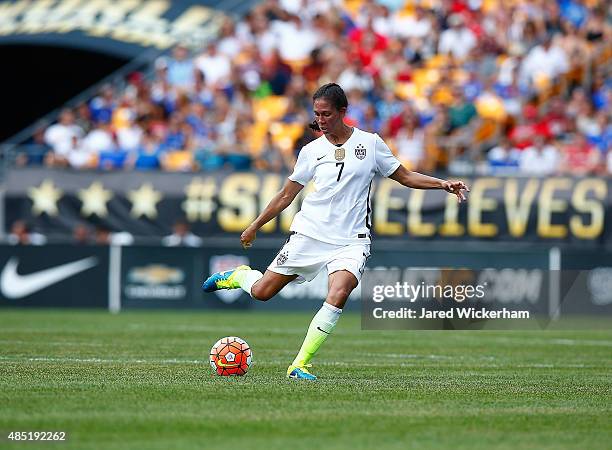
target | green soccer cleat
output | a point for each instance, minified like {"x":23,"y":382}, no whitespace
{"x":300,"y":373}
{"x":223,"y":280}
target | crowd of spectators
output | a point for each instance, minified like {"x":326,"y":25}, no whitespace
{"x":468,"y":86}
{"x":21,"y":233}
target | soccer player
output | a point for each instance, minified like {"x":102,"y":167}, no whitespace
{"x":332,"y":229}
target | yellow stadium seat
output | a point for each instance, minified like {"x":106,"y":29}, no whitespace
{"x":407,"y":10}
{"x":352,"y":6}
{"x":285,"y":134}
{"x":443,"y":95}
{"x":424,"y":78}
{"x":437,"y":61}
{"x":491,"y":108}
{"x":406,"y":91}
{"x":428,"y":4}
{"x":487,"y":130}
{"x":256,"y":136}
{"x":178,"y":161}
{"x":121,"y":118}
{"x":460,"y":76}
{"x":270,"y":108}
{"x":490,"y":5}
{"x":297,"y":65}
{"x":541,"y":81}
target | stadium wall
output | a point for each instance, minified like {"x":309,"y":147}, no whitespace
{"x":142,"y":277}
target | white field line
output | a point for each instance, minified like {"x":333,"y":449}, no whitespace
{"x":582,"y":342}
{"x":408,"y":356}
{"x":551,"y":341}
{"x":503,"y":340}
{"x":271,"y":362}
{"x":177,"y":329}
{"x":9,"y":359}
{"x":431,"y":356}
{"x":55,"y":343}
{"x":223,"y":329}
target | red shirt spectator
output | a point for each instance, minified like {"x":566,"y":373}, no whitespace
{"x":524,"y":133}
{"x":405,"y":118}
{"x":555,"y":119}
{"x":367,"y":43}
{"x":580,"y":157}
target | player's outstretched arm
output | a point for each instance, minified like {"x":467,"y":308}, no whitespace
{"x":419,"y":181}
{"x":280,"y":201}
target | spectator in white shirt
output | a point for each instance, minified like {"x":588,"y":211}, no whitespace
{"x":295,"y":39}
{"x":355,"y":78}
{"x":503,"y":158}
{"x":540,"y":159}
{"x":229,"y":44}
{"x":79,"y":157}
{"x":261,"y":35}
{"x":215,"y":66}
{"x":103,"y":236}
{"x":415,"y":26}
{"x":410,"y":142}
{"x":129,"y":138}
{"x":458,"y":40}
{"x":60,"y":136}
{"x":99,"y":139}
{"x":544,"y":62}
{"x":181,"y":236}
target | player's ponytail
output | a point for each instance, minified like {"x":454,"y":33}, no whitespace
{"x":314,"y":126}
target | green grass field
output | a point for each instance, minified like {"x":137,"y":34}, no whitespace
{"x":142,"y":381}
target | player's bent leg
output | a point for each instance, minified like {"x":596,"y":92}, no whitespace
{"x":341,"y":284}
{"x":269,"y":285}
{"x":259,"y":286}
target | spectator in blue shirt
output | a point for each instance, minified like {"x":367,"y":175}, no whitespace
{"x":181,"y":69}
{"x":147,"y":155}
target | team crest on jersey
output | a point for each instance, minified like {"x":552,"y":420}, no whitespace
{"x":360,"y":151}
{"x":340,"y":154}
{"x":282,"y":258}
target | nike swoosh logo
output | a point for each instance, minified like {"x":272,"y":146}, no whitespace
{"x":321,"y":157}
{"x":319,"y":328}
{"x":221,"y":364}
{"x":13,"y":285}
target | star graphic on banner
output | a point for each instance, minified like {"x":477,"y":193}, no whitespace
{"x":94,"y":200}
{"x":144,"y":201}
{"x":44,"y":198}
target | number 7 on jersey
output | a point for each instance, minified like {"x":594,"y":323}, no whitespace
{"x":341,"y":164}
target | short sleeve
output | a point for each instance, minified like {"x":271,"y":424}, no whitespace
{"x":302,"y":172}
{"x":386,"y":162}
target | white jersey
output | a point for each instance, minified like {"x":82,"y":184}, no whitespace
{"x":339,"y":211}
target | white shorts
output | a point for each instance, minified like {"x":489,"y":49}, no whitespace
{"x":306,"y":257}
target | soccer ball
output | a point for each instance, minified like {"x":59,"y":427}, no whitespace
{"x":230,"y":356}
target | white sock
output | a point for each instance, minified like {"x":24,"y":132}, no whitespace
{"x":327,"y":317}
{"x":247,"y":278}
